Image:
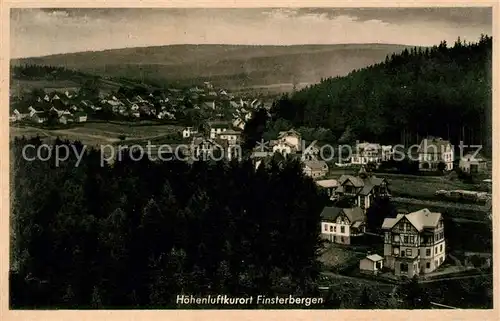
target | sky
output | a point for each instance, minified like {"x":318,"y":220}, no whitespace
{"x":39,"y":32}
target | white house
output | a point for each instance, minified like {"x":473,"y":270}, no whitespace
{"x":239,"y":123}
{"x":365,"y":153}
{"x":315,"y":169}
{"x":340,"y":225}
{"x":80,"y":117}
{"x":433,"y":151}
{"x":291,"y":137}
{"x":217,"y":127}
{"x":473,"y":164}
{"x":414,"y":243}
{"x":232,"y":136}
{"x":188,"y":132}
{"x":310,"y":153}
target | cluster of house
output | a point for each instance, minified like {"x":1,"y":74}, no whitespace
{"x":290,"y":145}
{"x":433,"y":153}
{"x":168,"y":105}
{"x":62,"y":107}
{"x":413,"y":243}
{"x":223,"y":137}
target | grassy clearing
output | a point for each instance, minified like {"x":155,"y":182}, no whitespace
{"x":95,"y":134}
{"x":335,"y":257}
{"x":130,"y":131}
{"x":424,"y":186}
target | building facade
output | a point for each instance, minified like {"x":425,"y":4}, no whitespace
{"x":473,"y":164}
{"x":364,"y":188}
{"x":433,"y":151}
{"x":340,"y":225}
{"x":414,"y":243}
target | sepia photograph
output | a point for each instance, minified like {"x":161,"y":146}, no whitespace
{"x":304,"y":158}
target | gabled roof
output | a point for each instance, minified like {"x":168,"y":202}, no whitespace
{"x":374,"y":257}
{"x":356,"y":181}
{"x":367,"y":184}
{"x":420,"y":219}
{"x":291,"y":132}
{"x":354,"y":214}
{"x":330,"y":212}
{"x":368,"y":146}
{"x":315,"y":165}
{"x":327,"y":183}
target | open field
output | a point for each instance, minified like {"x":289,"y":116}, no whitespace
{"x":337,"y":257}
{"x":98,"y":133}
{"x":24,"y":85}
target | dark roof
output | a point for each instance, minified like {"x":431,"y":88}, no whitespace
{"x":316,"y":165}
{"x":365,"y":184}
{"x":354,"y":214}
{"x":330,"y":213}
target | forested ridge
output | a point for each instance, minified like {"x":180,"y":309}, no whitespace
{"x":138,"y":233}
{"x":440,"y":91}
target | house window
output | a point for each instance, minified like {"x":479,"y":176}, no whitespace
{"x":441,"y":260}
{"x":408,"y":252}
{"x":396,"y":238}
{"x":412,"y":239}
{"x":436,"y":250}
{"x":441,"y":248}
{"x":428,"y":252}
{"x":342,"y":229}
{"x":335,"y":228}
{"x":428,"y":265}
{"x":331,"y":228}
{"x":326,"y":227}
{"x":341,"y":239}
{"x":403,"y":267}
{"x":405,"y":239}
{"x":402,"y":253}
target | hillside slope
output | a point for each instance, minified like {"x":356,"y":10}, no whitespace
{"x":439,"y":91}
{"x":228,"y":65}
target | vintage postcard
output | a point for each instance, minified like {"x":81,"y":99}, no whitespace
{"x":306,"y":158}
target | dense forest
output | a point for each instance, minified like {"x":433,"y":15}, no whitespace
{"x":138,"y":233}
{"x":439,"y":91}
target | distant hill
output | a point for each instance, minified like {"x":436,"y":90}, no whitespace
{"x":232,"y":66}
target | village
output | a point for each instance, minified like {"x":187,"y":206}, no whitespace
{"x":188,"y":105}
{"x":410,"y":244}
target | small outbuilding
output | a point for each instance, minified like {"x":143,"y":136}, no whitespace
{"x":371,"y":264}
